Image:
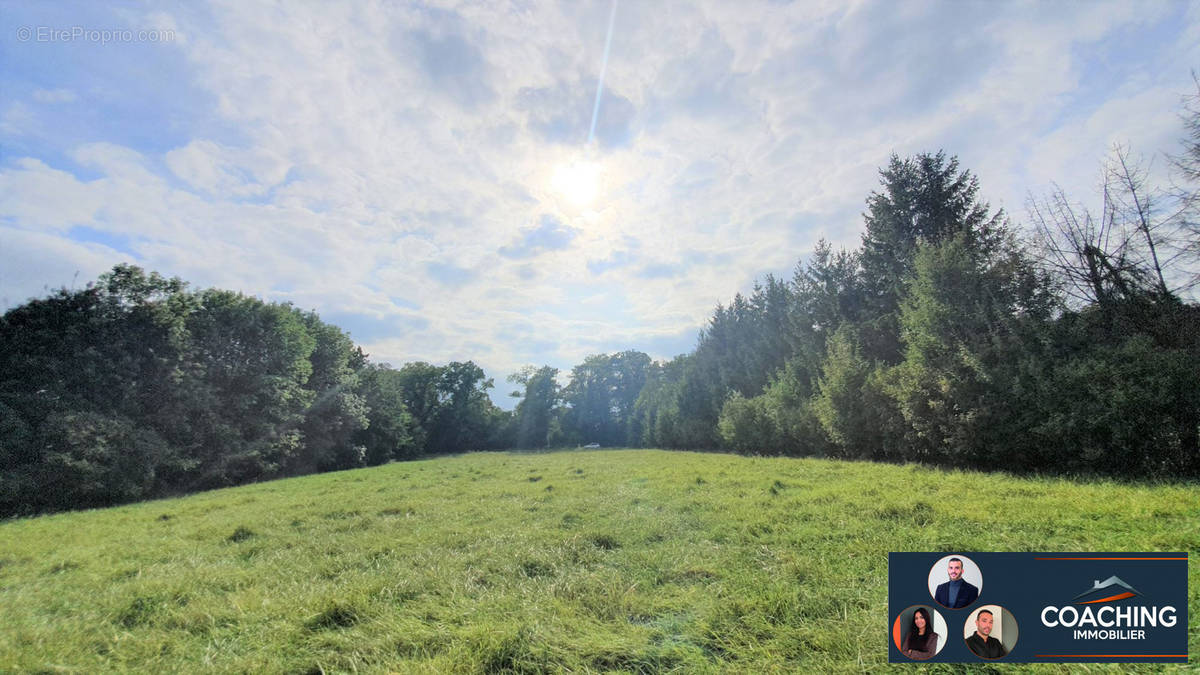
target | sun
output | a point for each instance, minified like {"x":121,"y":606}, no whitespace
{"x":578,"y":182}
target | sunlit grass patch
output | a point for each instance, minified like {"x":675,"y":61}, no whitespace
{"x":636,"y":561}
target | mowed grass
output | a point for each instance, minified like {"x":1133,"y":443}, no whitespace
{"x":634,"y":561}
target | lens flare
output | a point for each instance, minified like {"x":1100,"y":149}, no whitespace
{"x":578,"y":182}
{"x":612,"y":17}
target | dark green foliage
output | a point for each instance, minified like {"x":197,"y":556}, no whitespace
{"x":854,"y":410}
{"x":420,"y":384}
{"x":389,"y":432}
{"x":247,"y":401}
{"x":925,"y":200}
{"x":93,"y":460}
{"x":338,"y":410}
{"x":961,"y":323}
{"x":828,"y":292}
{"x":938,"y":341}
{"x":790,"y":403}
{"x":535,"y":413}
{"x":942,"y":342}
{"x":602,"y":396}
{"x":451,"y":406}
{"x":86,"y":382}
{"x":678,"y":408}
{"x":1125,"y":405}
{"x":739,"y":350}
{"x":656,"y":403}
{"x":747,"y":426}
{"x":136,"y":387}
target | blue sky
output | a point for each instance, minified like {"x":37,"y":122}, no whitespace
{"x":419,"y":173}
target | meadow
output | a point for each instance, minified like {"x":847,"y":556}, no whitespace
{"x":572,"y":561}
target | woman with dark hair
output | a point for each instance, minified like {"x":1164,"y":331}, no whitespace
{"x":921,"y":642}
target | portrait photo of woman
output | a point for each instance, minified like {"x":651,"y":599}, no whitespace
{"x":921,"y":639}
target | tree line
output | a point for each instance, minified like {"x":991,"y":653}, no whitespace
{"x":137,"y":387}
{"x":947,"y":337}
{"x":944,"y":338}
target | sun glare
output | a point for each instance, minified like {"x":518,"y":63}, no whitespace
{"x":578,"y":182}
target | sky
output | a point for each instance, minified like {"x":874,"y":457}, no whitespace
{"x":421,"y":174}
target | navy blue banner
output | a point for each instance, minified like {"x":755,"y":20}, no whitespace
{"x":1037,"y":607}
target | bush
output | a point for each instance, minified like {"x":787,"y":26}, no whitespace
{"x":93,"y":460}
{"x":854,"y":409}
{"x":746,"y":426}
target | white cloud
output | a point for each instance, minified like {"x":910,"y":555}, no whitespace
{"x":1072,"y":155}
{"x":18,"y":119}
{"x":355,"y":157}
{"x":209,"y":167}
{"x":46,"y":199}
{"x":49,"y":262}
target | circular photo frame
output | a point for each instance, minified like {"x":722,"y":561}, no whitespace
{"x":991,"y":632}
{"x":942,"y":573}
{"x":906,"y":632}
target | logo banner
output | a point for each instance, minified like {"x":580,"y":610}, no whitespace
{"x":973,"y":607}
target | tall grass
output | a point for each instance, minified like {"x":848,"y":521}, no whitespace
{"x":633,"y":561}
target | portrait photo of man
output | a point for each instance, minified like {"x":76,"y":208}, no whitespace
{"x":982,"y":641}
{"x":956,"y":592}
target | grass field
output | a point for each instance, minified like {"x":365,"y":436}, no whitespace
{"x":637,"y":561}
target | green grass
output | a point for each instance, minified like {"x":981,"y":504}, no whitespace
{"x":635,"y":561}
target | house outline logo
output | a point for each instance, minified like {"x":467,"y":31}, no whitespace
{"x":1111,"y":589}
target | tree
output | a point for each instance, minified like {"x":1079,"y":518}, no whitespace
{"x":1112,"y":394}
{"x":828,"y":293}
{"x":925,"y":199}
{"x":1112,"y":258}
{"x":654,"y":401}
{"x":135,"y":387}
{"x":88,"y":383}
{"x":962,"y":321}
{"x":602,"y":397}
{"x":465,"y":417}
{"x":249,"y":403}
{"x":854,"y":410}
{"x":1124,"y":408}
{"x":420,"y":383}
{"x":789,"y":400}
{"x":629,"y":371}
{"x":337,"y":411}
{"x":388,"y":435}
{"x":539,"y":401}
{"x":1186,"y":240}
{"x":747,"y":426}
{"x":94,"y":460}
{"x":771,"y":341}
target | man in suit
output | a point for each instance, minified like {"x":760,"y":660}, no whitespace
{"x":957,"y":592}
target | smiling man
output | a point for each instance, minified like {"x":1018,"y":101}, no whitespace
{"x":957,"y":592}
{"x":981,"y":642}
